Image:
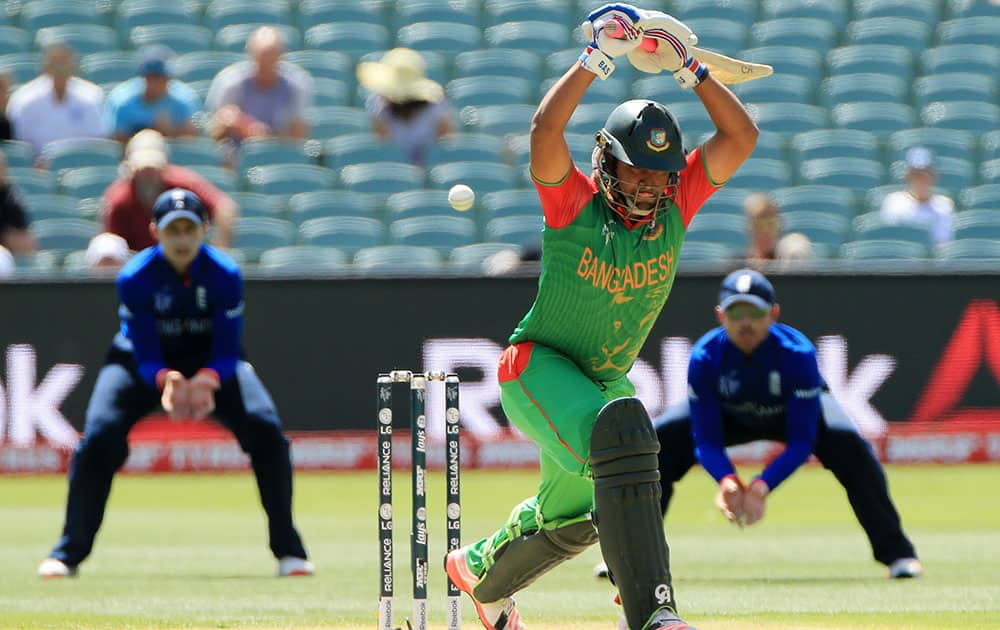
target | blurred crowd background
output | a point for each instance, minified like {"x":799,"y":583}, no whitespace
{"x":324,"y":134}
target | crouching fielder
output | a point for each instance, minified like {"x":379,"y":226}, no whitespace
{"x":179,"y":346}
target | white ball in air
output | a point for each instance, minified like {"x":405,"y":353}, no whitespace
{"x":461,"y":197}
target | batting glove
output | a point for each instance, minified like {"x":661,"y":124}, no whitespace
{"x":666,"y":45}
{"x":612,"y":32}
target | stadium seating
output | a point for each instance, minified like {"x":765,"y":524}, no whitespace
{"x":467,"y":147}
{"x":554,"y":11}
{"x":853,"y":173}
{"x":977,"y":224}
{"x":538,"y":36}
{"x":957,"y":86}
{"x":727,"y":36}
{"x":726,"y":229}
{"x":17,"y":154}
{"x":742,"y":11}
{"x":181,"y":40}
{"x":881,"y":58}
{"x":883,"y":249}
{"x":871,"y":87}
{"x":443,"y":37}
{"x":327,"y":122}
{"x":108,"y":67}
{"x":893,"y":31}
{"x":313,"y":12}
{"x":253,"y":235}
{"x":926,"y":11}
{"x":697,"y":251}
{"x":312,"y":205}
{"x":63,"y":234}
{"x":975,"y":249}
{"x":834,"y":12}
{"x":132,"y":13}
{"x":264,"y":151}
{"x":778,"y":88}
{"x":762,"y":175}
{"x":383,"y":178}
{"x":974,"y":116}
{"x":346,"y":233}
{"x":788,"y":118}
{"x":398,"y":260}
{"x":828,"y":230}
{"x":222,"y":13}
{"x":78,"y":152}
{"x":259,"y":205}
{"x":979,"y":29}
{"x":38,"y":14}
{"x":306,"y":259}
{"x":49,"y":206}
{"x":488,"y":89}
{"x":87,"y":181}
{"x":471,"y":258}
{"x":288,"y":179}
{"x":980,"y":197}
{"x":787,"y":59}
{"x":499,"y":119}
{"x":953,"y":173}
{"x":804,"y":32}
{"x":233,"y":37}
{"x":442,"y":232}
{"x":83,"y":38}
{"x":871,"y":226}
{"x":834,"y":143}
{"x":523,"y":230}
{"x":942,"y":60}
{"x":360,"y":38}
{"x":816,"y":198}
{"x":413,"y":11}
{"x":881,"y":119}
{"x":942,"y":142}
{"x":481,"y":176}
{"x":417,"y":203}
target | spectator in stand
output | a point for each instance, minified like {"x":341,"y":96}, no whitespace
{"x":407,"y":108}
{"x":263,"y":96}
{"x":107,"y":252}
{"x":7,"y":264}
{"x":917,"y":204}
{"x":56,"y":104}
{"x":764,"y":226}
{"x":146,"y":172}
{"x":6,"y":130}
{"x":15,"y":233}
{"x":152,"y":100}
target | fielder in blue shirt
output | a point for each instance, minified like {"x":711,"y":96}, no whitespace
{"x":755,"y":379}
{"x":179,"y":347}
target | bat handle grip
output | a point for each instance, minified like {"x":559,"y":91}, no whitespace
{"x":614,"y":30}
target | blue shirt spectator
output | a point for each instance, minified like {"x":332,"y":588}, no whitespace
{"x":152,"y":100}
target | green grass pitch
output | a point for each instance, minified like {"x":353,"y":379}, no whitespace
{"x":189,"y":551}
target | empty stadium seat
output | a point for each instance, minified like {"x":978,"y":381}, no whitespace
{"x":941,"y":60}
{"x":21,"y":67}
{"x":444,"y":37}
{"x":810,"y":33}
{"x":203,"y":65}
{"x":181,"y":40}
{"x":778,"y":88}
{"x":787,"y":59}
{"x":489,"y":89}
{"x":871,"y":226}
{"x":77,"y":152}
{"x":87,"y":181}
{"x":467,"y":147}
{"x":417,"y":203}
{"x":346,"y":233}
{"x":980,"y":29}
{"x":955,"y":86}
{"x":220,"y":177}
{"x":132,"y":13}
{"x":14,"y":40}
{"x":483,"y":177}
{"x":523,"y":230}
{"x":976,"y":249}
{"x":108,"y":67}
{"x":880,"y":58}
{"x":222,"y":13}
{"x":398,"y":260}
{"x":880,"y":119}
{"x":991,"y":145}
{"x":831,"y":200}
{"x":382,"y":178}
{"x":265,"y":151}
{"x":833,"y":11}
{"x":253,"y":235}
{"x":989,"y":171}
{"x":762,"y":175}
{"x":725,"y":36}
{"x":555,"y":11}
{"x":305,"y":259}
{"x":853,"y":173}
{"x":360,"y":38}
{"x":581,"y":146}
{"x":259,"y":204}
{"x":313,"y":205}
{"x":942,"y":142}
{"x":327,"y":92}
{"x":505,"y":203}
{"x":788,"y":118}
{"x":871,"y":87}
{"x":38,"y":14}
{"x":743,"y":11}
{"x":697,"y":251}
{"x":324,"y":64}
{"x":32,"y":180}
{"x":893,"y":31}
{"x":983,"y":197}
{"x":18,"y":153}
{"x":313,"y":12}
{"x":194,"y":151}
{"x":326,"y":122}
{"x":974,"y":116}
{"x":977,"y":224}
{"x":883,"y":249}
{"x":63,"y":234}
{"x":523,"y":64}
{"x":83,"y":38}
{"x":288,"y":179}
{"x":770,"y":145}
{"x":442,"y":232}
{"x":413,"y":11}
{"x":834,"y":143}
{"x":359,"y":148}
{"x":727,"y":200}
{"x":723,"y":228}
{"x":531,"y":35}
{"x":499,"y":119}
{"x":49,"y":206}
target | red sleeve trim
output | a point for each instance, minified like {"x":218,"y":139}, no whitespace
{"x":563,"y":200}
{"x":161,"y":376}
{"x":695,"y":187}
{"x":735,"y":478}
{"x":514,"y":360}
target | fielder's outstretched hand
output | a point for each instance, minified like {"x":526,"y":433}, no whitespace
{"x":176,"y":397}
{"x":612,"y":32}
{"x":754,"y":501}
{"x":202,"y":388}
{"x":729,"y":499}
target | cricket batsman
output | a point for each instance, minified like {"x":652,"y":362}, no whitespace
{"x":610,"y":248}
{"x":179,"y":347}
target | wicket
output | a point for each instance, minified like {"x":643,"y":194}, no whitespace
{"x":418,"y":530}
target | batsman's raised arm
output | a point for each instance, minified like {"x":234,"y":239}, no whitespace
{"x":736,"y":133}
{"x":550,"y":156}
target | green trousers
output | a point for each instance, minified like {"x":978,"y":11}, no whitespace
{"x":547,"y":397}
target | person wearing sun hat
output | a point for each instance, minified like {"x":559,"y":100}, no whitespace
{"x":918,"y":204}
{"x":408,"y":108}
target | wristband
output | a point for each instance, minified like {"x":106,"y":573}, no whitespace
{"x":691,"y":73}
{"x":597,"y":61}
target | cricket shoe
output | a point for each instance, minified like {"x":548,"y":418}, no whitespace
{"x":498,"y":615}
{"x":51,"y":568}
{"x":663,"y":619}
{"x":905,"y":568}
{"x":601,"y":569}
{"x":290,"y":566}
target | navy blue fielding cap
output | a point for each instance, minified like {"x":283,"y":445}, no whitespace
{"x":178,"y":203}
{"x":746,"y":285}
